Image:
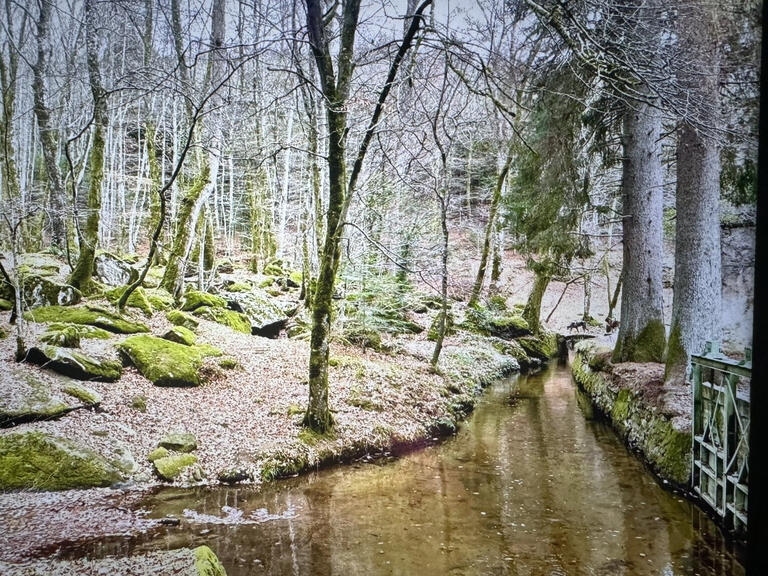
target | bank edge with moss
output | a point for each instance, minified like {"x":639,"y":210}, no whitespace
{"x":464,"y":386}
{"x":663,"y":441}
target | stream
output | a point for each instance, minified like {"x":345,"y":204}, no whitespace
{"x":528,"y":486}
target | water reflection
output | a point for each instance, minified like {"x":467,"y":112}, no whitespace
{"x":527,"y":487}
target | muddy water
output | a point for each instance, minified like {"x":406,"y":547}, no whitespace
{"x":529,"y":486}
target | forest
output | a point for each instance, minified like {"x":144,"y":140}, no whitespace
{"x":244,"y":241}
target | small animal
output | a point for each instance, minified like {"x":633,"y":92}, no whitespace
{"x":610,"y":325}
{"x":576,"y":325}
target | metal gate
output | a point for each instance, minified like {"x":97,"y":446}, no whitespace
{"x":721,"y":433}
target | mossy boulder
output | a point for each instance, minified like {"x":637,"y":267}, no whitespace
{"x":91,"y":315}
{"x":159,"y":298}
{"x":137,"y":299}
{"x":179,"y":442}
{"x":235,"y":320}
{"x":266,"y":318}
{"x":75,"y":364}
{"x":180,"y":335}
{"x":194,"y":299}
{"x":169,"y":467}
{"x":274,"y":268}
{"x":239,"y":287}
{"x":179,"y":318}
{"x":38,"y":461}
{"x":46,"y":291}
{"x":67,"y":337}
{"x":366,"y":338}
{"x":158,"y":453}
{"x":84,"y":331}
{"x":28,"y":396}
{"x":495,"y":322}
{"x":113,"y":271}
{"x":5,"y":305}
{"x":166,"y":363}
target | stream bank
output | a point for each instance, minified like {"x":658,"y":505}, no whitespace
{"x":526,"y":486}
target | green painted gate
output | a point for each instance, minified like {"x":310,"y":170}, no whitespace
{"x":720,"y":470}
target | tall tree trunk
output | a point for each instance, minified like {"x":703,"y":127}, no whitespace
{"x":498,"y":191}
{"x":442,"y":325}
{"x":532,"y":310}
{"x":335,"y":87}
{"x":697,"y":288}
{"x":48,"y":138}
{"x":586,"y":315}
{"x":642,"y":336}
{"x":81,"y":277}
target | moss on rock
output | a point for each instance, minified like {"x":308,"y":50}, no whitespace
{"x":194,"y":299}
{"x":158,"y":453}
{"x":169,"y":467}
{"x":5,"y":305}
{"x":137,"y":299}
{"x":66,"y":337}
{"x":235,"y":320}
{"x":166,"y":363}
{"x":39,"y":290}
{"x":86,"y":395}
{"x":84,"y":331}
{"x":181,"y":335}
{"x":542,"y":347}
{"x":30,"y":396}
{"x":159,"y":298}
{"x":75,"y":364}
{"x":206,"y":562}
{"x":179,"y":442}
{"x":38,"y":461}
{"x":91,"y":315}
{"x":179,"y":318}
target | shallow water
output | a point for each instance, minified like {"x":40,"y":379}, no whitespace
{"x":529,"y":486}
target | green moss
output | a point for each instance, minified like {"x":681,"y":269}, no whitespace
{"x":274,"y":268}
{"x":179,"y":318}
{"x":159,"y":298}
{"x":206,"y":562}
{"x":620,"y":411}
{"x":434,"y":327}
{"x":137,"y":299}
{"x":674,"y":448}
{"x":166,"y":363}
{"x":194,"y":299}
{"x":648,"y":346}
{"x":235,"y":320}
{"x":362,"y":337}
{"x":67,"y":337}
{"x":542,"y":347}
{"x":169,"y":467}
{"x":84,"y":331}
{"x":139,"y":402}
{"x":32,"y":398}
{"x":5,"y":305}
{"x":181,"y":335}
{"x":239,"y":287}
{"x":228,"y":363}
{"x":310,"y":437}
{"x":91,"y":315}
{"x":295,"y":276}
{"x":84,"y":394}
{"x":676,"y":355}
{"x":38,"y":461}
{"x":294,"y":409}
{"x":179,"y":442}
{"x":75,"y":364}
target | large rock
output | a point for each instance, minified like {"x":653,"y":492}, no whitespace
{"x":194,"y":299}
{"x":113,"y":271}
{"x":180,"y":335}
{"x":75,"y":364}
{"x":179,"y":318}
{"x":44,"y":291}
{"x":166,"y":363}
{"x":28,"y":396}
{"x":179,"y":441}
{"x":38,"y":461}
{"x":62,"y":333}
{"x":265,"y":316}
{"x":172,"y":465}
{"x":137,"y":299}
{"x":90,"y":315}
{"x":235,"y":320}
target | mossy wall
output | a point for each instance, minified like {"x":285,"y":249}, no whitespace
{"x":662,"y":443}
